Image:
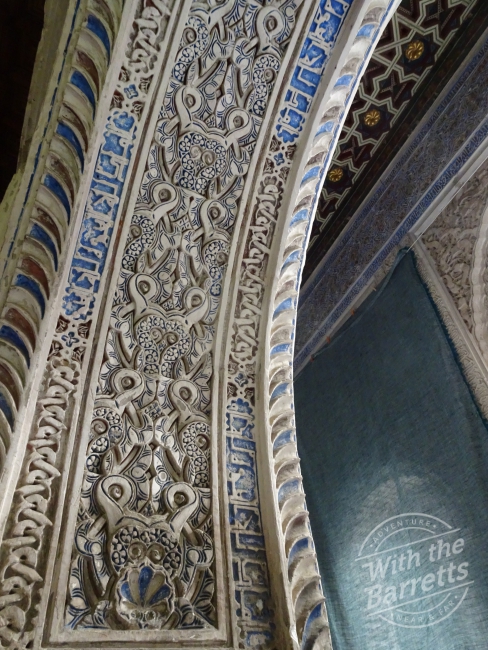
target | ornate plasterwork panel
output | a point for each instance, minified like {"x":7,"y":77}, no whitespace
{"x":467,"y":352}
{"x":145,"y":526}
{"x":26,"y":537}
{"x":157,"y":363}
{"x":451,"y":241}
{"x":456,"y":242}
{"x":138,"y":516}
{"x":479,"y":280}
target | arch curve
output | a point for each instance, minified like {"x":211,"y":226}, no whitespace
{"x":274,"y":325}
{"x":187,"y":331}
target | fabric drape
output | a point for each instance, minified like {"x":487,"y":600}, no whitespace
{"x":394,"y":455}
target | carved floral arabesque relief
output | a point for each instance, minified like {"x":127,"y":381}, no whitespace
{"x":144,"y":547}
{"x":29,"y":530}
{"x":144,"y":551}
{"x":456,"y":242}
{"x":145,"y":542}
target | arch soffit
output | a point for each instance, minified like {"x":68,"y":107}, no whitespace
{"x":280,"y":257}
{"x":274,"y":318}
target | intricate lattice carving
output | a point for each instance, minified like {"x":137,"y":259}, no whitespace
{"x":451,"y":241}
{"x":144,"y":547}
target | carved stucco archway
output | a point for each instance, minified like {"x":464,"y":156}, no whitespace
{"x":115,"y":276}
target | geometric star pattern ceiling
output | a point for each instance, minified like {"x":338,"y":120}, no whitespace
{"x":414,"y":40}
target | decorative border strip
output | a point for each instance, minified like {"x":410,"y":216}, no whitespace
{"x":309,"y":620}
{"x":114,"y":155}
{"x":306,"y":77}
{"x":304,"y":577}
{"x":241,"y":418}
{"x":49,"y":226}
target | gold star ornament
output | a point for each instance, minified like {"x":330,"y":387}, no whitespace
{"x":372,"y":117}
{"x":335,"y":174}
{"x":414,"y":50}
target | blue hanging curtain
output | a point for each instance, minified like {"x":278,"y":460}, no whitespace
{"x":394,"y":455}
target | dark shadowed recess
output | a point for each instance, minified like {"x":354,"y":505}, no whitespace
{"x":21,"y":24}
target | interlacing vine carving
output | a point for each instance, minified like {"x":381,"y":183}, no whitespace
{"x":144,"y":549}
{"x":140,"y":556}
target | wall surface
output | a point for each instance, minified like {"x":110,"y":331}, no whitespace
{"x":150,"y":491}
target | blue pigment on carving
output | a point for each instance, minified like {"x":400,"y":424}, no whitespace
{"x":5,"y":407}
{"x":37,"y":232}
{"x":30,"y":285}
{"x":67,"y":132}
{"x":55,"y":186}
{"x":95,"y":25}
{"x":80,"y":81}
{"x":9,"y":334}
